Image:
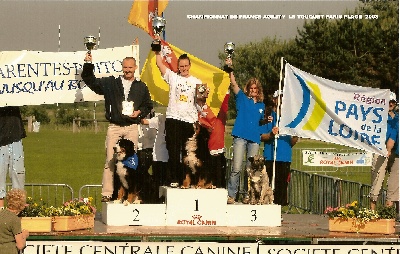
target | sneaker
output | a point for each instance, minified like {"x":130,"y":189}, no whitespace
{"x":105,"y":199}
{"x":230,"y":201}
{"x":246,"y":200}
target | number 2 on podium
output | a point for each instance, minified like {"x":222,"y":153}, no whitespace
{"x":136,"y":213}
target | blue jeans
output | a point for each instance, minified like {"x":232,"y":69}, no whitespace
{"x":241,"y":147}
{"x":12,"y":162}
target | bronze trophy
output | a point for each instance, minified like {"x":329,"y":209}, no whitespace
{"x":158,"y":25}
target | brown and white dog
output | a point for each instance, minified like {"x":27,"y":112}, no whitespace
{"x":126,"y":164}
{"x":260,"y":191}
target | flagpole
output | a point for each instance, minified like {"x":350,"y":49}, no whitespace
{"x":162,"y":14}
{"x":59,"y":37}
{"x":277,"y":123}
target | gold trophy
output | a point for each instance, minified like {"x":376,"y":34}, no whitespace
{"x":90,"y":43}
{"x":158,"y":25}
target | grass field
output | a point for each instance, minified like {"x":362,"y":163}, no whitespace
{"x":61,"y":156}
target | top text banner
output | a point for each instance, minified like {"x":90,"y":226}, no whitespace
{"x":34,"y":77}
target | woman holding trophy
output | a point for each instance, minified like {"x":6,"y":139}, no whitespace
{"x":246,"y":130}
{"x":181,"y":112}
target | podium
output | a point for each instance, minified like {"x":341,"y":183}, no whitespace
{"x":191,"y":207}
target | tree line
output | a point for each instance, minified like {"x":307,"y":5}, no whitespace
{"x":363,"y":51}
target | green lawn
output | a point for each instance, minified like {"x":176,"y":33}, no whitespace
{"x":60,"y":156}
{"x":77,"y":159}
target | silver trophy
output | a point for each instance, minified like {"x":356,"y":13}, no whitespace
{"x":158,"y":25}
{"x":90,"y":43}
{"x":229,"y":49}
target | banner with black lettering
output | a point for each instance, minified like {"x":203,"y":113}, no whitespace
{"x":35,"y":77}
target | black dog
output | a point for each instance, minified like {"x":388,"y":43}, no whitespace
{"x":197,"y":161}
{"x":127,"y":183}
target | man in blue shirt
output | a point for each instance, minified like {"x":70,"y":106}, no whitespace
{"x":380,"y":164}
{"x":283,"y":158}
{"x":392,"y":146}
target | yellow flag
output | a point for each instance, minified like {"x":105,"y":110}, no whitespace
{"x":143,"y":11}
{"x":216,"y":79}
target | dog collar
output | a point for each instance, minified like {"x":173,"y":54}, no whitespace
{"x":131,"y":162}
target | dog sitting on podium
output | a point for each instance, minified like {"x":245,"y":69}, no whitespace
{"x":260,"y":191}
{"x":126,"y":185}
{"x":197,"y":153}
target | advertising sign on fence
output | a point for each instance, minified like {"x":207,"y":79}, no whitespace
{"x":333,"y":159}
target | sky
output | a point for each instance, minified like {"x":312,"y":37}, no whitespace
{"x":61,"y":25}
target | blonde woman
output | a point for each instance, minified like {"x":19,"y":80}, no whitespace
{"x":246,"y":130}
{"x":12,"y":237}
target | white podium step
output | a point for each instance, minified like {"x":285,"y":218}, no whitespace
{"x":133,"y":214}
{"x":253,"y":215}
{"x":195,"y":207}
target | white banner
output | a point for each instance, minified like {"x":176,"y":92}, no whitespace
{"x":91,"y":247}
{"x":34,"y":77}
{"x":356,"y":248}
{"x":321,"y":109}
{"x":319,"y":158}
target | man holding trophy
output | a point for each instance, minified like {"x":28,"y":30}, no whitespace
{"x":127,"y":100}
{"x":181,"y":114}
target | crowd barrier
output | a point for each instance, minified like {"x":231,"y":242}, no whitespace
{"x":307,"y":193}
{"x":313,"y":193}
{"x":51,"y":193}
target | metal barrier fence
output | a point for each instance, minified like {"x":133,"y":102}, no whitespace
{"x":317,"y":191}
{"x":52,"y":194}
{"x":308,"y":193}
{"x":313,"y":193}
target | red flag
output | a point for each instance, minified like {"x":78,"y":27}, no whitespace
{"x":143,"y":12}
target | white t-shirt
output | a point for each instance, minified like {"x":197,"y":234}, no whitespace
{"x":182,"y":92}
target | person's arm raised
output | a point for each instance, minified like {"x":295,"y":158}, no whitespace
{"x":234,"y":86}
{"x":160,"y":63}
